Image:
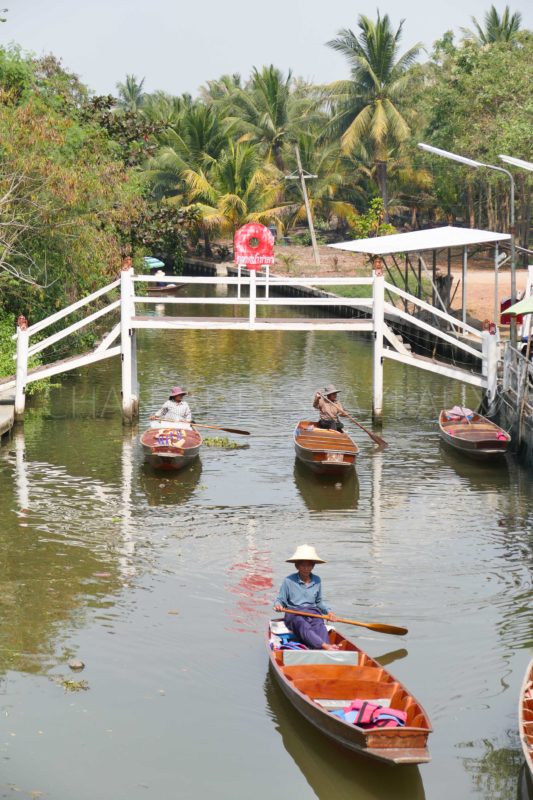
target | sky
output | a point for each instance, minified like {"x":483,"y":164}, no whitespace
{"x":178,"y":45}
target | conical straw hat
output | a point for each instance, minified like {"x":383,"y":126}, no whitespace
{"x":305,"y":553}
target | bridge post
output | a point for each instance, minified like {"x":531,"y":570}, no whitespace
{"x":253,"y":295}
{"x":489,"y":343}
{"x":127,"y":343}
{"x":22,"y":366}
{"x":378,"y":311}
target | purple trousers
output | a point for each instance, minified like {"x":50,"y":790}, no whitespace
{"x":309,"y":630}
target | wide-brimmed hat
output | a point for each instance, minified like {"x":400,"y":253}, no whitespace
{"x":305,"y":553}
{"x":330,"y":389}
{"x":177,"y":390}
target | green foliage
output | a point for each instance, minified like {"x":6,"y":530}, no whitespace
{"x":371,"y":224}
{"x":8,"y":349}
{"x":16,"y":75}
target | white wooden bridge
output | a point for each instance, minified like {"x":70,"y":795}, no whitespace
{"x":253,"y":292}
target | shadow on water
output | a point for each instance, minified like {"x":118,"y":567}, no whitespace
{"x":390,"y":658}
{"x":525,"y":784}
{"x":169,"y":487}
{"x":326,"y":493}
{"x":332,"y":771}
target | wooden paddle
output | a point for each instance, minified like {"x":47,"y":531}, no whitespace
{"x":220,"y":428}
{"x":373,"y":626}
{"x":377,"y":439}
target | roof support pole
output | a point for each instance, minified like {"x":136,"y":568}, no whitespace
{"x":496,"y":289}
{"x":378,"y":318}
{"x":126,"y":341}
{"x":489,"y":342}
{"x":465,"y":265}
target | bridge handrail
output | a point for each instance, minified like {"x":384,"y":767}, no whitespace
{"x":260,"y":281}
{"x":76,"y":326}
{"x":436,"y":311}
{"x":435,"y":331}
{"x":64,"y":312}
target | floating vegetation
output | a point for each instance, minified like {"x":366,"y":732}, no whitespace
{"x":223,"y":442}
{"x":70,"y":685}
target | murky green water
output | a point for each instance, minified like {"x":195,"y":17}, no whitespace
{"x":163,"y":585}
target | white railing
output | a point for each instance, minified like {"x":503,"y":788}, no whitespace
{"x":376,"y":313}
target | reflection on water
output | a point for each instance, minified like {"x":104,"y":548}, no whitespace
{"x":162,"y":584}
{"x":169,"y":487}
{"x":525,"y":784}
{"x":390,"y":658}
{"x":483,"y":475}
{"x":326,"y":492}
{"x":332,"y":771}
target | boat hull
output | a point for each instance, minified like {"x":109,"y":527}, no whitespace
{"x":324,"y":452}
{"x":170,"y":447}
{"x":479,"y":438}
{"x":525,"y":720}
{"x":406,"y":745}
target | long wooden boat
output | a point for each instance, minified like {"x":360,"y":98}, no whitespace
{"x":319,"y":682}
{"x":525,"y":719}
{"x":171,"y":445}
{"x":324,"y":452}
{"x":168,"y":288}
{"x":472,"y":434}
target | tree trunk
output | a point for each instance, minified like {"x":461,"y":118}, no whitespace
{"x":381,"y":179}
{"x":207,"y":244}
{"x":470,"y":206}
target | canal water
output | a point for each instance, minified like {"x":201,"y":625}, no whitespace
{"x":162,"y":585}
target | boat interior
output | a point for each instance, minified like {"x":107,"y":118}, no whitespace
{"x":473,"y":429}
{"x":310,"y":436}
{"x":332,"y":679}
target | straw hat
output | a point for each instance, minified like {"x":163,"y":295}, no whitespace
{"x":330,"y":389}
{"x":305,"y":553}
{"x":176,"y":391}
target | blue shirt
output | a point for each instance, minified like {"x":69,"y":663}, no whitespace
{"x":294,"y":593}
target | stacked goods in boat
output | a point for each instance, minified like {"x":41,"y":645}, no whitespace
{"x":472,"y":434}
{"x":350,"y":697}
{"x":325,"y":452}
{"x":171,"y":445}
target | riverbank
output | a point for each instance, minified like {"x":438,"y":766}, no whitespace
{"x":7,"y":412}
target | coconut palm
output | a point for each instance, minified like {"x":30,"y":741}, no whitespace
{"x":496,"y":28}
{"x":267,"y":113}
{"x":239,"y":188}
{"x":367,"y":108}
{"x":195,"y":142}
{"x":130,"y":94}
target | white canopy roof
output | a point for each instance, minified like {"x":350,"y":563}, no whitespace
{"x":415,"y":241}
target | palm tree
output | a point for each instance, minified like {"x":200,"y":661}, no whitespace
{"x":366,"y":108}
{"x":266,"y":112}
{"x":239,"y":188}
{"x":130,"y":94}
{"x":497,"y":29}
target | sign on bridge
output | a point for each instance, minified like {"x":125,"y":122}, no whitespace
{"x":253,"y":246}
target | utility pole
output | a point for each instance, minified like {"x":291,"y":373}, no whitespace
{"x":303,"y":176}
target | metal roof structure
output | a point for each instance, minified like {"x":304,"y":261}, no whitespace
{"x":418,"y":241}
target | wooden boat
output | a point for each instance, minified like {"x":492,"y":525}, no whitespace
{"x":472,"y":434}
{"x":168,"y":288}
{"x":332,"y":679}
{"x":323,"y":451}
{"x":525,"y":719}
{"x":171,"y":445}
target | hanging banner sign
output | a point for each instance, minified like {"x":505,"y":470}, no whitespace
{"x":253,"y":246}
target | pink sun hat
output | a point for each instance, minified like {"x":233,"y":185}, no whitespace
{"x":177,"y":390}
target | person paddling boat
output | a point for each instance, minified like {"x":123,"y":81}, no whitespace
{"x":175,"y":409}
{"x":302,"y":591}
{"x":329,"y":408}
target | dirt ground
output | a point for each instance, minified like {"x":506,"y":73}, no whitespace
{"x":299,"y":261}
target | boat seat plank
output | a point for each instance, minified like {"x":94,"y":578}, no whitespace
{"x":315,"y":657}
{"x":337,"y":689}
{"x":333,"y":672}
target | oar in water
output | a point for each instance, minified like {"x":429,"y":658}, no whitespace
{"x":373,"y":626}
{"x":220,"y":428}
{"x":377,"y":439}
